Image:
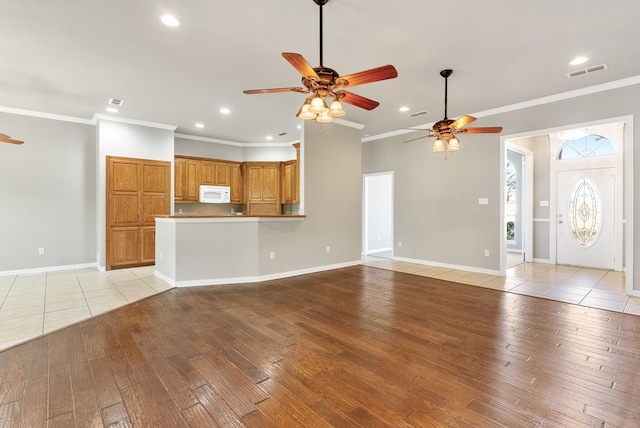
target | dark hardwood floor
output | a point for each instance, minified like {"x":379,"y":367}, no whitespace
{"x":354,"y":347}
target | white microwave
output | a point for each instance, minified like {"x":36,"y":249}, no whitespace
{"x":215,"y":194}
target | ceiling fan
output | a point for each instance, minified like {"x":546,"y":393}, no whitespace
{"x":446,"y":129}
{"x":323,"y":82}
{"x":6,"y":139}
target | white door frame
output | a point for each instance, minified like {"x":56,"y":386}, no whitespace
{"x":365,"y":213}
{"x":627,"y":217}
{"x":527,"y":201}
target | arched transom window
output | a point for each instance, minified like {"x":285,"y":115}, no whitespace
{"x":587,"y":146}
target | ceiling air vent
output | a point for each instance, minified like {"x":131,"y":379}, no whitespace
{"x":116,"y":102}
{"x":589,"y":70}
{"x":418,"y":113}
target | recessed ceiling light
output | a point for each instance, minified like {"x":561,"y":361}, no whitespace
{"x":199,"y":125}
{"x":578,"y":60}
{"x":269,"y":137}
{"x":112,"y":109}
{"x":225,"y":110}
{"x":404,"y":108}
{"x":299,"y":126}
{"x":169,"y":20}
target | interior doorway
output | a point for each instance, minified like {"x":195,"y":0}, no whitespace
{"x":377,"y":233}
{"x":518,"y":204}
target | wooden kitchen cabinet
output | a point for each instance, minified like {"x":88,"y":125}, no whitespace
{"x":237,"y":189}
{"x":186,"y":179}
{"x":290,"y":174}
{"x":138,"y":190}
{"x":262,"y":185}
{"x":191,"y":172}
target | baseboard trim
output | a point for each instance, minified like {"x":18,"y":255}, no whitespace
{"x":32,"y":271}
{"x":449,"y":266}
{"x":253,"y":279}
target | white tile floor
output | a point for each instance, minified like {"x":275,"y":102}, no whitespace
{"x":32,"y":305}
{"x":595,"y":288}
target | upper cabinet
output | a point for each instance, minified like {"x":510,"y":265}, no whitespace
{"x":290,"y":176}
{"x":186,"y":180}
{"x":263,"y":186}
{"x":191,"y":172}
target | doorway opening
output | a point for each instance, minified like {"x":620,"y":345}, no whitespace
{"x":583,"y":187}
{"x":377,"y":233}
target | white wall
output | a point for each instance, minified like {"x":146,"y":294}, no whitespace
{"x":47,"y":194}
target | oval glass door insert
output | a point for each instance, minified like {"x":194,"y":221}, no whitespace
{"x":585,"y":212}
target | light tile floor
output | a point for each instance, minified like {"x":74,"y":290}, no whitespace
{"x":35,"y":304}
{"x":595,"y":288}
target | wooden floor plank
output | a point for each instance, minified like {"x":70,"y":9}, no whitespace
{"x":351,"y":347}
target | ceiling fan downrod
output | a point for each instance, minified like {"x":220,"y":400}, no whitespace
{"x":445,"y":74}
{"x":321,"y":3}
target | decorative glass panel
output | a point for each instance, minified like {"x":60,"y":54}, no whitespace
{"x":588,"y":146}
{"x":511,"y":205}
{"x":585,"y":212}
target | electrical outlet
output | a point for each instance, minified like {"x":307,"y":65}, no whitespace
{"x":400,"y":244}
{"x":40,"y":251}
{"x":272,"y":255}
{"x":328,"y":249}
{"x":486,"y":253}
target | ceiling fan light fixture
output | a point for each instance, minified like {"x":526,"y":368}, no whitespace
{"x":318,"y":105}
{"x":438,"y":146}
{"x":453,"y":145}
{"x":336,"y":110}
{"x":324,"y":117}
{"x":305,"y":114}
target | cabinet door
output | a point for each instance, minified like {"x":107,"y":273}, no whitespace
{"x":148,"y":244}
{"x":270,"y":183}
{"x":223,"y":174}
{"x":192,"y":180}
{"x":179,"y":179}
{"x":207,"y":173}
{"x":254,"y":183}
{"x":124,"y":246}
{"x":236,"y":184}
{"x":287,"y":182}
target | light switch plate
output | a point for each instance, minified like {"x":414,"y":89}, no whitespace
{"x":483,"y":201}
{"x":544,"y":203}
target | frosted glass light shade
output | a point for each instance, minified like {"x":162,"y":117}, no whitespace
{"x":438,"y":146}
{"x":335,"y":109}
{"x":454,"y":145}
{"x":324,"y":117}
{"x":305,"y":114}
{"x":317,"y":105}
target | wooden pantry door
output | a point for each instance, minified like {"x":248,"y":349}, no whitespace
{"x":137,"y":191}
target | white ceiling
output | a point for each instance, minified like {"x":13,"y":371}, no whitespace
{"x":68,"y":57}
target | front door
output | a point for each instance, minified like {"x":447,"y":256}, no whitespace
{"x":585,"y":217}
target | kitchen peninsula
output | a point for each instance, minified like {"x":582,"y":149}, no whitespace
{"x":211,"y":250}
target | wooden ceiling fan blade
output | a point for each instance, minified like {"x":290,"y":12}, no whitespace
{"x":487,"y":130}
{"x":414,"y":139}
{"x":357,"y":100}
{"x":300,"y":64}
{"x":272,"y":90}
{"x":6,"y":139}
{"x":374,"y":75}
{"x":463,"y":121}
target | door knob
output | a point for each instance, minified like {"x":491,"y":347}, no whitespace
{"x":560,"y":221}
